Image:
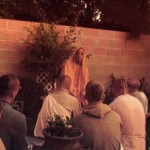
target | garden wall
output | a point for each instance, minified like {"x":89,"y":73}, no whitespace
{"x":112,"y":51}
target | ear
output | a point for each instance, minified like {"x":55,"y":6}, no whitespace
{"x":126,"y":89}
{"x":13,"y":94}
{"x":102,"y":97}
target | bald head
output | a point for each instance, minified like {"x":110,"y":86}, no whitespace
{"x":133,"y":85}
{"x":94,"y":91}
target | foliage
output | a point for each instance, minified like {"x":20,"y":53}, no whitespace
{"x":132,"y":15}
{"x":128,"y":15}
{"x":58,"y":126}
{"x":58,"y":11}
{"x":47,"y":53}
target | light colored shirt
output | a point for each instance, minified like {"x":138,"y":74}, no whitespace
{"x":133,"y":118}
{"x":68,"y":101}
{"x":143,"y":99}
{"x":57,"y":103}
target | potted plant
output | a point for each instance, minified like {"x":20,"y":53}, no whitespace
{"x":47,"y":53}
{"x":61,"y":135}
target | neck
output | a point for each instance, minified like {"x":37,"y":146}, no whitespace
{"x":6,"y":100}
{"x":62,"y":89}
{"x":93,"y":103}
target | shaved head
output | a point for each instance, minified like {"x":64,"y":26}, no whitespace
{"x":133,"y":85}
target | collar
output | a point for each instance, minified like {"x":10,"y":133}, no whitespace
{"x":5,"y":102}
{"x":62,"y":90}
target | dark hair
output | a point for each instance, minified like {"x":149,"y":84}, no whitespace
{"x":119,"y":87}
{"x":4,"y":81}
{"x":7,"y":83}
{"x":94,"y":91}
{"x":133,"y":85}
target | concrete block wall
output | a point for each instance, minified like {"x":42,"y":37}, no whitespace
{"x":112,"y":51}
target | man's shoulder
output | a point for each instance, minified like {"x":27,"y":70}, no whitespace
{"x":125,"y":100}
{"x":14,"y":113}
{"x":72,"y":97}
{"x":118,"y":101}
{"x":64,"y":94}
{"x":122,"y":98}
{"x":17,"y":113}
{"x":114,"y":114}
{"x":13,"y":119}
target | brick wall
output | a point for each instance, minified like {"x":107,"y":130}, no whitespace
{"x":112,"y":51}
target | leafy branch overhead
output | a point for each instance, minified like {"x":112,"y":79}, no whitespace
{"x":47,"y":52}
{"x":124,"y":15}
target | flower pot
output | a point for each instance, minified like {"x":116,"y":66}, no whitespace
{"x":61,"y":143}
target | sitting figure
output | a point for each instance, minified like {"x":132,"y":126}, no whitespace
{"x":134,"y":86}
{"x":1,"y":142}
{"x":12,"y":123}
{"x":100,"y":125}
{"x":77,"y":70}
{"x":60,"y":102}
{"x":132,"y":116}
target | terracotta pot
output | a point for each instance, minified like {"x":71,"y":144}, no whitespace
{"x":61,"y":143}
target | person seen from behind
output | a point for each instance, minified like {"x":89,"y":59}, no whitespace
{"x":101,"y":126}
{"x":60,"y":102}
{"x":134,"y":89}
{"x":132,"y":116}
{"x":12,"y":123}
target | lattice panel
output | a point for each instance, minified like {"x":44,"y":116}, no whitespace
{"x":42,"y":78}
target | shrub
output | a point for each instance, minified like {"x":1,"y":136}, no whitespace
{"x":47,"y":54}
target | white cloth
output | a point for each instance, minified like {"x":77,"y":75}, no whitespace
{"x":142,"y":98}
{"x":57,"y":103}
{"x":68,"y":101}
{"x":50,"y":107}
{"x":133,"y":118}
{"x":121,"y":148}
{"x":144,"y":101}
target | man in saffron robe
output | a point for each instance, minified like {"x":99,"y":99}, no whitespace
{"x":77,"y":70}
